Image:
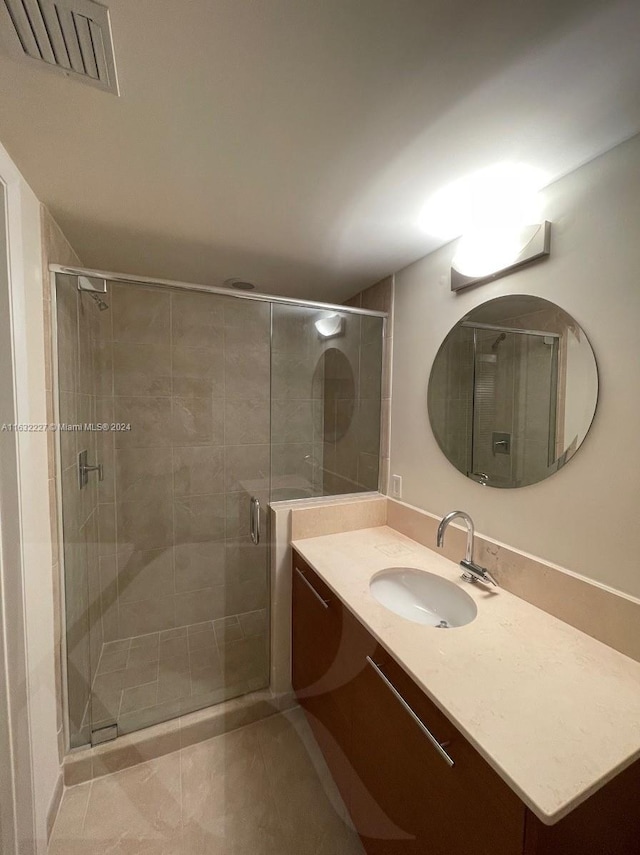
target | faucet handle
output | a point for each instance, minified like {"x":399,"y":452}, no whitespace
{"x":474,"y":573}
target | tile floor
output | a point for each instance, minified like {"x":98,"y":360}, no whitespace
{"x":260,"y":790}
{"x":149,"y":678}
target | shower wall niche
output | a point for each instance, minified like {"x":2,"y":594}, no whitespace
{"x":212,"y":403}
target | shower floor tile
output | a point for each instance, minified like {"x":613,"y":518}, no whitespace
{"x":260,"y":790}
{"x":149,"y":678}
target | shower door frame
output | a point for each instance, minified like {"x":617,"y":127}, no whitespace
{"x":133,"y":280}
{"x":125,"y":279}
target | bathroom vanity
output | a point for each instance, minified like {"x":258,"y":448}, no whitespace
{"x":437,"y":742}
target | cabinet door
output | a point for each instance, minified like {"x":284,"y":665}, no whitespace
{"x":328,"y":649}
{"x":607,"y":824}
{"x":422,"y":803}
{"x":316,"y":630}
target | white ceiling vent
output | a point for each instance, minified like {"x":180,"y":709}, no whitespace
{"x":71,"y":35}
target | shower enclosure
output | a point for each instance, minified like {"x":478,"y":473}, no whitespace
{"x":184,"y":412}
{"x":514,"y":404}
{"x":500,"y":424}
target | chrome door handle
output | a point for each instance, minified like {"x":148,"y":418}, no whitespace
{"x":322,"y":601}
{"x":84,"y":469}
{"x":439,"y":746}
{"x":254,"y":520}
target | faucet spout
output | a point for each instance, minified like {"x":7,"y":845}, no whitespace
{"x":472,"y":572}
{"x":444,"y":522}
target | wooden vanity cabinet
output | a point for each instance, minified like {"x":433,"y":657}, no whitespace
{"x":425,"y":799}
{"x":328,"y":648}
{"x":606,"y":824}
{"x":373,"y":725}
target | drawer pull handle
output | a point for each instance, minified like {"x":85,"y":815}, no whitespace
{"x":439,"y":746}
{"x":325,"y":603}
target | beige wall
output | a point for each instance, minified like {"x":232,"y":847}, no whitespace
{"x":16,"y":786}
{"x":583,"y":517}
{"x":192,"y":388}
{"x":34,"y":544}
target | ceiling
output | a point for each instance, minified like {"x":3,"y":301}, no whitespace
{"x":294,"y":142}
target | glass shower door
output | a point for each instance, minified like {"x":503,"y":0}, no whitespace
{"x":326,"y":375}
{"x":166,"y":592}
{"x":514,"y":406}
{"x":191,"y":411}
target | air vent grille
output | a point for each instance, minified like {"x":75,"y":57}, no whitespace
{"x":72,"y":35}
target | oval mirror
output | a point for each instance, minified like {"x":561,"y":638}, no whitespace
{"x":513,"y":391}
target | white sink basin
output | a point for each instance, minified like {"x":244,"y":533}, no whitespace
{"x":423,"y":597}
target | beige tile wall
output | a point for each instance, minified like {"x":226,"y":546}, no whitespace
{"x":380,"y":298}
{"x":527,"y":416}
{"x":325,"y":416}
{"x":450,"y":398}
{"x":189,"y":373}
{"x":297,"y":389}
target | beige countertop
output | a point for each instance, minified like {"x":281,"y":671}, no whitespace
{"x":555,"y":712}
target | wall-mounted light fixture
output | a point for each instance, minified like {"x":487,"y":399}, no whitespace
{"x":485,"y":256}
{"x":496,"y":214}
{"x":330,"y":325}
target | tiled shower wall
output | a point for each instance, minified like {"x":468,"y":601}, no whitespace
{"x":326,"y":397}
{"x":352,"y":400}
{"x":450,"y":398}
{"x":297,"y":378}
{"x":190,"y":373}
{"x":379,"y":298}
{"x":532,"y":433}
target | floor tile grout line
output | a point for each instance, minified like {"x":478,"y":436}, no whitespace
{"x":274,"y":783}
{"x":180,"y":750}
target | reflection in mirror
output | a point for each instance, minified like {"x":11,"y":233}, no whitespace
{"x":339,"y":394}
{"x":513,"y":391}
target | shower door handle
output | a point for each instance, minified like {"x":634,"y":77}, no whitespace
{"x":254,"y":520}
{"x":84,"y":468}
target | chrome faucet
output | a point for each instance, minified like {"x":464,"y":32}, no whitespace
{"x":472,"y":572}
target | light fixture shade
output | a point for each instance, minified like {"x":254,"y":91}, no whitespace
{"x":531,"y":244}
{"x":330,"y":325}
